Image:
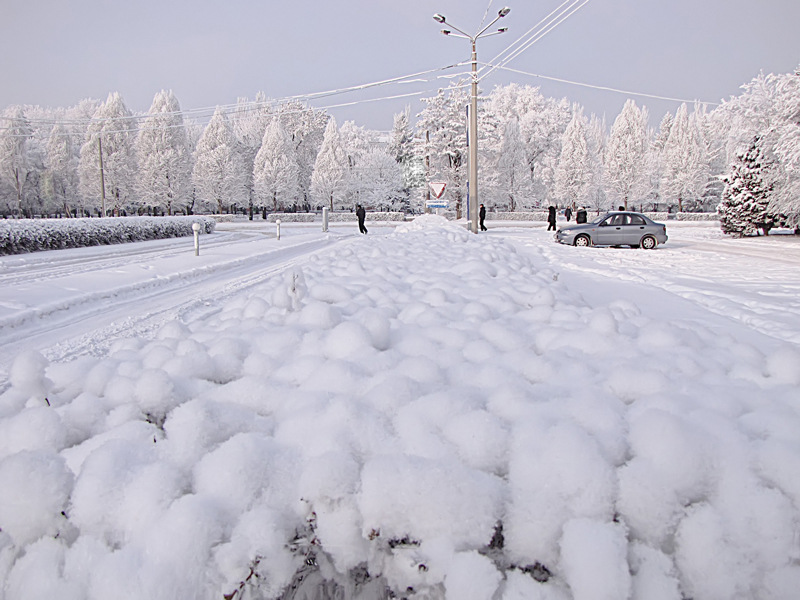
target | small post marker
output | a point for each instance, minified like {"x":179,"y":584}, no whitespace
{"x":278,"y":223}
{"x":196,"y":229}
{"x":324,"y":219}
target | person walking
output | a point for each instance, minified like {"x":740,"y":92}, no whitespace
{"x":482,"y":216}
{"x":361,"y":214}
{"x":568,"y":213}
{"x":551,"y":218}
{"x":580,"y":216}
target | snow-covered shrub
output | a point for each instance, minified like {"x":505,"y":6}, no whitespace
{"x":29,"y":235}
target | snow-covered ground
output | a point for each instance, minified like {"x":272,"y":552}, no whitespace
{"x":446,"y":415}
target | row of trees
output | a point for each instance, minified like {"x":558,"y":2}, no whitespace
{"x":255,"y":155}
{"x":534,"y":151}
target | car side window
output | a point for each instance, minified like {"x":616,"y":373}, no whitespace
{"x":618,"y":220}
{"x":636,"y":220}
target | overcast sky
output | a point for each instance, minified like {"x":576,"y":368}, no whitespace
{"x":209,"y":52}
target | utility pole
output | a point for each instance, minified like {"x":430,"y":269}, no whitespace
{"x":102,"y":175}
{"x":472,"y":198}
{"x":473,"y":110}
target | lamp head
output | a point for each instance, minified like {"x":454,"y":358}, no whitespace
{"x":502,"y":30}
{"x":439,"y":18}
{"x":503,"y":11}
{"x":446,"y":31}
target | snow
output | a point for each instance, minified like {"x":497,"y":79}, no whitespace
{"x":448,"y":415}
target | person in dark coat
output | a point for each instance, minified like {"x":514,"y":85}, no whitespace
{"x":482,"y":217}
{"x":361,"y":214}
{"x":551,"y":218}
{"x":568,"y":213}
{"x":580,"y":216}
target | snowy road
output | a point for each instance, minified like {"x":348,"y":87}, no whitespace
{"x":76,"y":302}
{"x":707,"y":276}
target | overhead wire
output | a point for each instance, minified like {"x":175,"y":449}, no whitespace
{"x":605,"y":88}
{"x":563,"y":16}
{"x":272,"y":102}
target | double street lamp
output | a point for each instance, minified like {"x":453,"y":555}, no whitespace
{"x":473,"y":109}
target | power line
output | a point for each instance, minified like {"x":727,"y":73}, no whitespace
{"x":270,"y":103}
{"x":562,"y":16}
{"x":604,"y":88}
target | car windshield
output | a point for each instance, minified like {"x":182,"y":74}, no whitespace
{"x":598,"y":219}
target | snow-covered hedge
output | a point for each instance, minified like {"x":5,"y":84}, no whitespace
{"x":341,"y":217}
{"x":292,"y":217}
{"x":33,"y":235}
{"x":517,"y":216}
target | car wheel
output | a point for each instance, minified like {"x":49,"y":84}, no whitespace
{"x":582,"y":240}
{"x":648,"y":242}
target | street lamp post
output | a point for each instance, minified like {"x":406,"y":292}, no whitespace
{"x":473,"y":108}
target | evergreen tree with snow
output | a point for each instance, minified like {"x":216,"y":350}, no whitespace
{"x":113,"y":129}
{"x":62,"y":171}
{"x":573,"y":176}
{"x":329,"y":179}
{"x":625,"y":171}
{"x":164,"y":177}
{"x":15,"y":132}
{"x":684,"y":165}
{"x":275,"y":168}
{"x":218,"y":174}
{"x":744,"y":209}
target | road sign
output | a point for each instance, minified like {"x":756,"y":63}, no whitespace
{"x":437,"y":204}
{"x":437,"y":187}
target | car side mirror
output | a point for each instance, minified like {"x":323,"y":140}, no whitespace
{"x":604,"y":223}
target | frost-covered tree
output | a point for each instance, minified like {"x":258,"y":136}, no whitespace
{"x":573,"y":177}
{"x":218,"y":173}
{"x":15,"y":131}
{"x":306,"y":127}
{"x":379,"y":180}
{"x":624,"y":174}
{"x":786,"y":200}
{"x":441,"y":141}
{"x":684,"y":165}
{"x":542,"y":122}
{"x":356,"y":142}
{"x":113,"y":130}
{"x":329,"y":180}
{"x":250,"y":121}
{"x":275,"y":168}
{"x":513,"y":177}
{"x":596,"y":142}
{"x":164,"y":177}
{"x":62,"y":171}
{"x":401,"y":148}
{"x":745,"y":201}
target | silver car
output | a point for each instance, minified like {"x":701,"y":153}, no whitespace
{"x":615,"y":229}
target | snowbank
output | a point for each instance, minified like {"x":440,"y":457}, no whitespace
{"x":428,"y":411}
{"x":29,"y":235}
